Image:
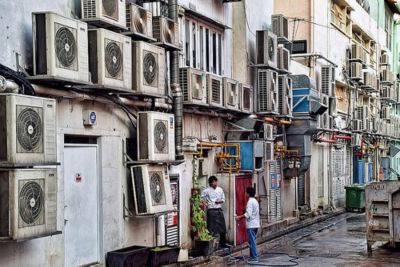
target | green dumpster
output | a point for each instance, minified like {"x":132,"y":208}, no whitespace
{"x":355,"y":197}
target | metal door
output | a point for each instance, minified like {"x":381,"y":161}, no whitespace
{"x":242,"y":182}
{"x":81,"y":213}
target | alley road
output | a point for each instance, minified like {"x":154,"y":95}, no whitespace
{"x":339,"y":241}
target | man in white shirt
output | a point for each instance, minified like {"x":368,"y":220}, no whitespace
{"x":214,"y":197}
{"x":252,"y":216}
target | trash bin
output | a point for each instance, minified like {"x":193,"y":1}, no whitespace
{"x":355,"y":198}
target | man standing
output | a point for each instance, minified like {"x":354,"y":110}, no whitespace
{"x":252,"y":216}
{"x":214,"y":197}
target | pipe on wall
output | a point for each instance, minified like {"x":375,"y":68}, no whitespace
{"x":7,"y":85}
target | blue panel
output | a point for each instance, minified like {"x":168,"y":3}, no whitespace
{"x":246,"y":155}
{"x":370,"y":170}
{"x":358,"y":171}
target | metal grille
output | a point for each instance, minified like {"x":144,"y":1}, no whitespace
{"x":65,"y":47}
{"x":150,"y":68}
{"x":282,"y":95}
{"x":110,"y":8}
{"x":113,"y":59}
{"x":325,"y":80}
{"x":183,"y":82}
{"x":89,"y":9}
{"x":161,"y":136}
{"x":31,"y":202}
{"x":263,"y":91}
{"x":216,"y":91}
{"x":29,"y":129}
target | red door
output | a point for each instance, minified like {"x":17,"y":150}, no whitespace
{"x":242,"y":182}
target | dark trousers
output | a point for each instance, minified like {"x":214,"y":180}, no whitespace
{"x":216,"y":224}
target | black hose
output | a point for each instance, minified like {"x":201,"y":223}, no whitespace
{"x":18,"y":78}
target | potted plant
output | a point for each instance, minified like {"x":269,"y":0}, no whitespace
{"x":163,"y":256}
{"x":203,"y":241}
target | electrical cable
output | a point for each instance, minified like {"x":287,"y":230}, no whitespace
{"x":19,"y":78}
{"x":124,"y":109}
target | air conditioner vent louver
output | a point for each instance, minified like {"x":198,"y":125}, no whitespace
{"x":65,"y":45}
{"x":328,"y":80}
{"x":267,"y":92}
{"x":29,"y":129}
{"x":214,"y":90}
{"x":150,"y":68}
{"x":89,"y":8}
{"x":156,"y":188}
{"x":113,"y":59}
{"x":31,"y":203}
{"x":246,"y":98}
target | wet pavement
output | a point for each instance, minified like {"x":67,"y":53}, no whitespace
{"x":339,"y":241}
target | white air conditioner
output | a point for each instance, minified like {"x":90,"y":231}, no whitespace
{"x":387,"y":76}
{"x":269,"y":151}
{"x":328,"y":86}
{"x":385,"y":92}
{"x":283,"y":59}
{"x":332,"y":106}
{"x":357,"y":125}
{"x":156,"y":136}
{"x":325,"y":100}
{"x":214,"y":91}
{"x":267,"y":92}
{"x":384,"y":59}
{"x":28,"y":130}
{"x":166,"y":31}
{"x":365,"y":125}
{"x":104,"y":13}
{"x":269,"y":132}
{"x":267,"y":45}
{"x":110,"y":59}
{"x":356,"y":71}
{"x":285,"y":95}
{"x":246,"y":98}
{"x":231,"y":93}
{"x":60,"y":47}
{"x":28,"y":203}
{"x":139,"y":20}
{"x":148,"y":69}
{"x":151,"y":189}
{"x":362,"y":112}
{"x":357,"y":52}
{"x":385,"y":113}
{"x":325,"y":121}
{"x":369,"y":80}
{"x":356,"y":140}
{"x":193,"y":85}
{"x":280,"y":27}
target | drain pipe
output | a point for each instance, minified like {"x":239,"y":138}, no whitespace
{"x":8,"y":86}
{"x":176,"y":89}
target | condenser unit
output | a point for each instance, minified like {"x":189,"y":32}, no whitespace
{"x":231,"y":93}
{"x":332,"y":106}
{"x":28,"y":203}
{"x":246,"y":98}
{"x":269,"y":151}
{"x":139,"y":20}
{"x":283,"y":59}
{"x":285,"y":95}
{"x":357,"y":125}
{"x":386,"y":92}
{"x":193,"y":85}
{"x":375,"y":125}
{"x":328,"y":86}
{"x":28,"y":130}
{"x":362,"y":112}
{"x":365,"y":125}
{"x":267,"y":45}
{"x":166,"y":31}
{"x":356,"y":140}
{"x":369,"y":81}
{"x":387,"y":76}
{"x":214,"y":90}
{"x":325,"y":121}
{"x":267,"y":92}
{"x":151,"y":189}
{"x":385,"y":113}
{"x":384,"y":59}
{"x":148,"y":71}
{"x":60,"y":47}
{"x":356,"y":71}
{"x":269,"y":132}
{"x":156,"y":136}
{"x":110,"y":59}
{"x":104,"y":13}
{"x":280,"y":27}
{"x":357,"y":52}
{"x":325,"y":100}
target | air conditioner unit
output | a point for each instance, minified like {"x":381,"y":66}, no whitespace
{"x":156,"y":136}
{"x":193,"y":85}
{"x":267,"y":45}
{"x":139,"y":20}
{"x":332,"y":106}
{"x":283,"y":59}
{"x":151,"y":189}
{"x":385,"y":113}
{"x":357,"y":52}
{"x":325,"y":121}
{"x":231,"y":93}
{"x":28,"y":203}
{"x":267,"y":92}
{"x":148,"y":69}
{"x":280,"y":27}
{"x":110,"y":59}
{"x":28,"y":130}
{"x":375,"y":125}
{"x":356,"y":140}
{"x":269,"y":132}
{"x":246,"y":98}
{"x":385,"y":92}
{"x":357,"y":125}
{"x":214,"y":90}
{"x":285,"y":95}
{"x":362,"y":112}
{"x":269,"y":151}
{"x":325,"y":100}
{"x":60,"y":47}
{"x":369,"y":80}
{"x":104,"y":13}
{"x":365,"y":125}
{"x":166,"y":31}
{"x":384,"y":59}
{"x":328,"y":86}
{"x":387,"y":76}
{"x":356,"y":71}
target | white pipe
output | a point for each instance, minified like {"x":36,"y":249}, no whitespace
{"x":8,"y":86}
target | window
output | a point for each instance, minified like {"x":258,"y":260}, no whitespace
{"x":388,"y":29}
{"x":203,"y":46}
{"x":340,"y":17}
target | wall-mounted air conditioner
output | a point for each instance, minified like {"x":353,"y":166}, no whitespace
{"x":166,"y":31}
{"x":267,"y":92}
{"x":386,"y":92}
{"x":325,"y":100}
{"x":104,"y":13}
{"x":325,"y":121}
{"x":269,"y":151}
{"x":267,"y":45}
{"x":139,"y":20}
{"x":375,"y":124}
{"x":370,"y":80}
{"x":28,"y":130}
{"x":214,"y":90}
{"x":60,"y":47}
{"x":362,"y":112}
{"x":151,"y":189}
{"x":356,"y":140}
{"x":231,"y":93}
{"x":246,"y":98}
{"x":193,"y":85}
{"x":332,"y":106}
{"x":357,"y":125}
{"x":283,"y":59}
{"x":356,"y":71}
{"x":384,"y":60}
{"x":387,"y":76}
{"x":357,"y":52}
{"x":285,"y":95}
{"x":365,"y":125}
{"x":280,"y":27}
{"x":269,"y":132}
{"x":156,"y":136}
{"x":28,"y":203}
{"x":328,"y":85}
{"x":148,"y":71}
{"x":385,"y":113}
{"x":110,"y":59}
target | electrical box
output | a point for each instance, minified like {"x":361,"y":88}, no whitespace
{"x":251,"y":154}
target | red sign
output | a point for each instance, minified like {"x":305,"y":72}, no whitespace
{"x":78,"y":178}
